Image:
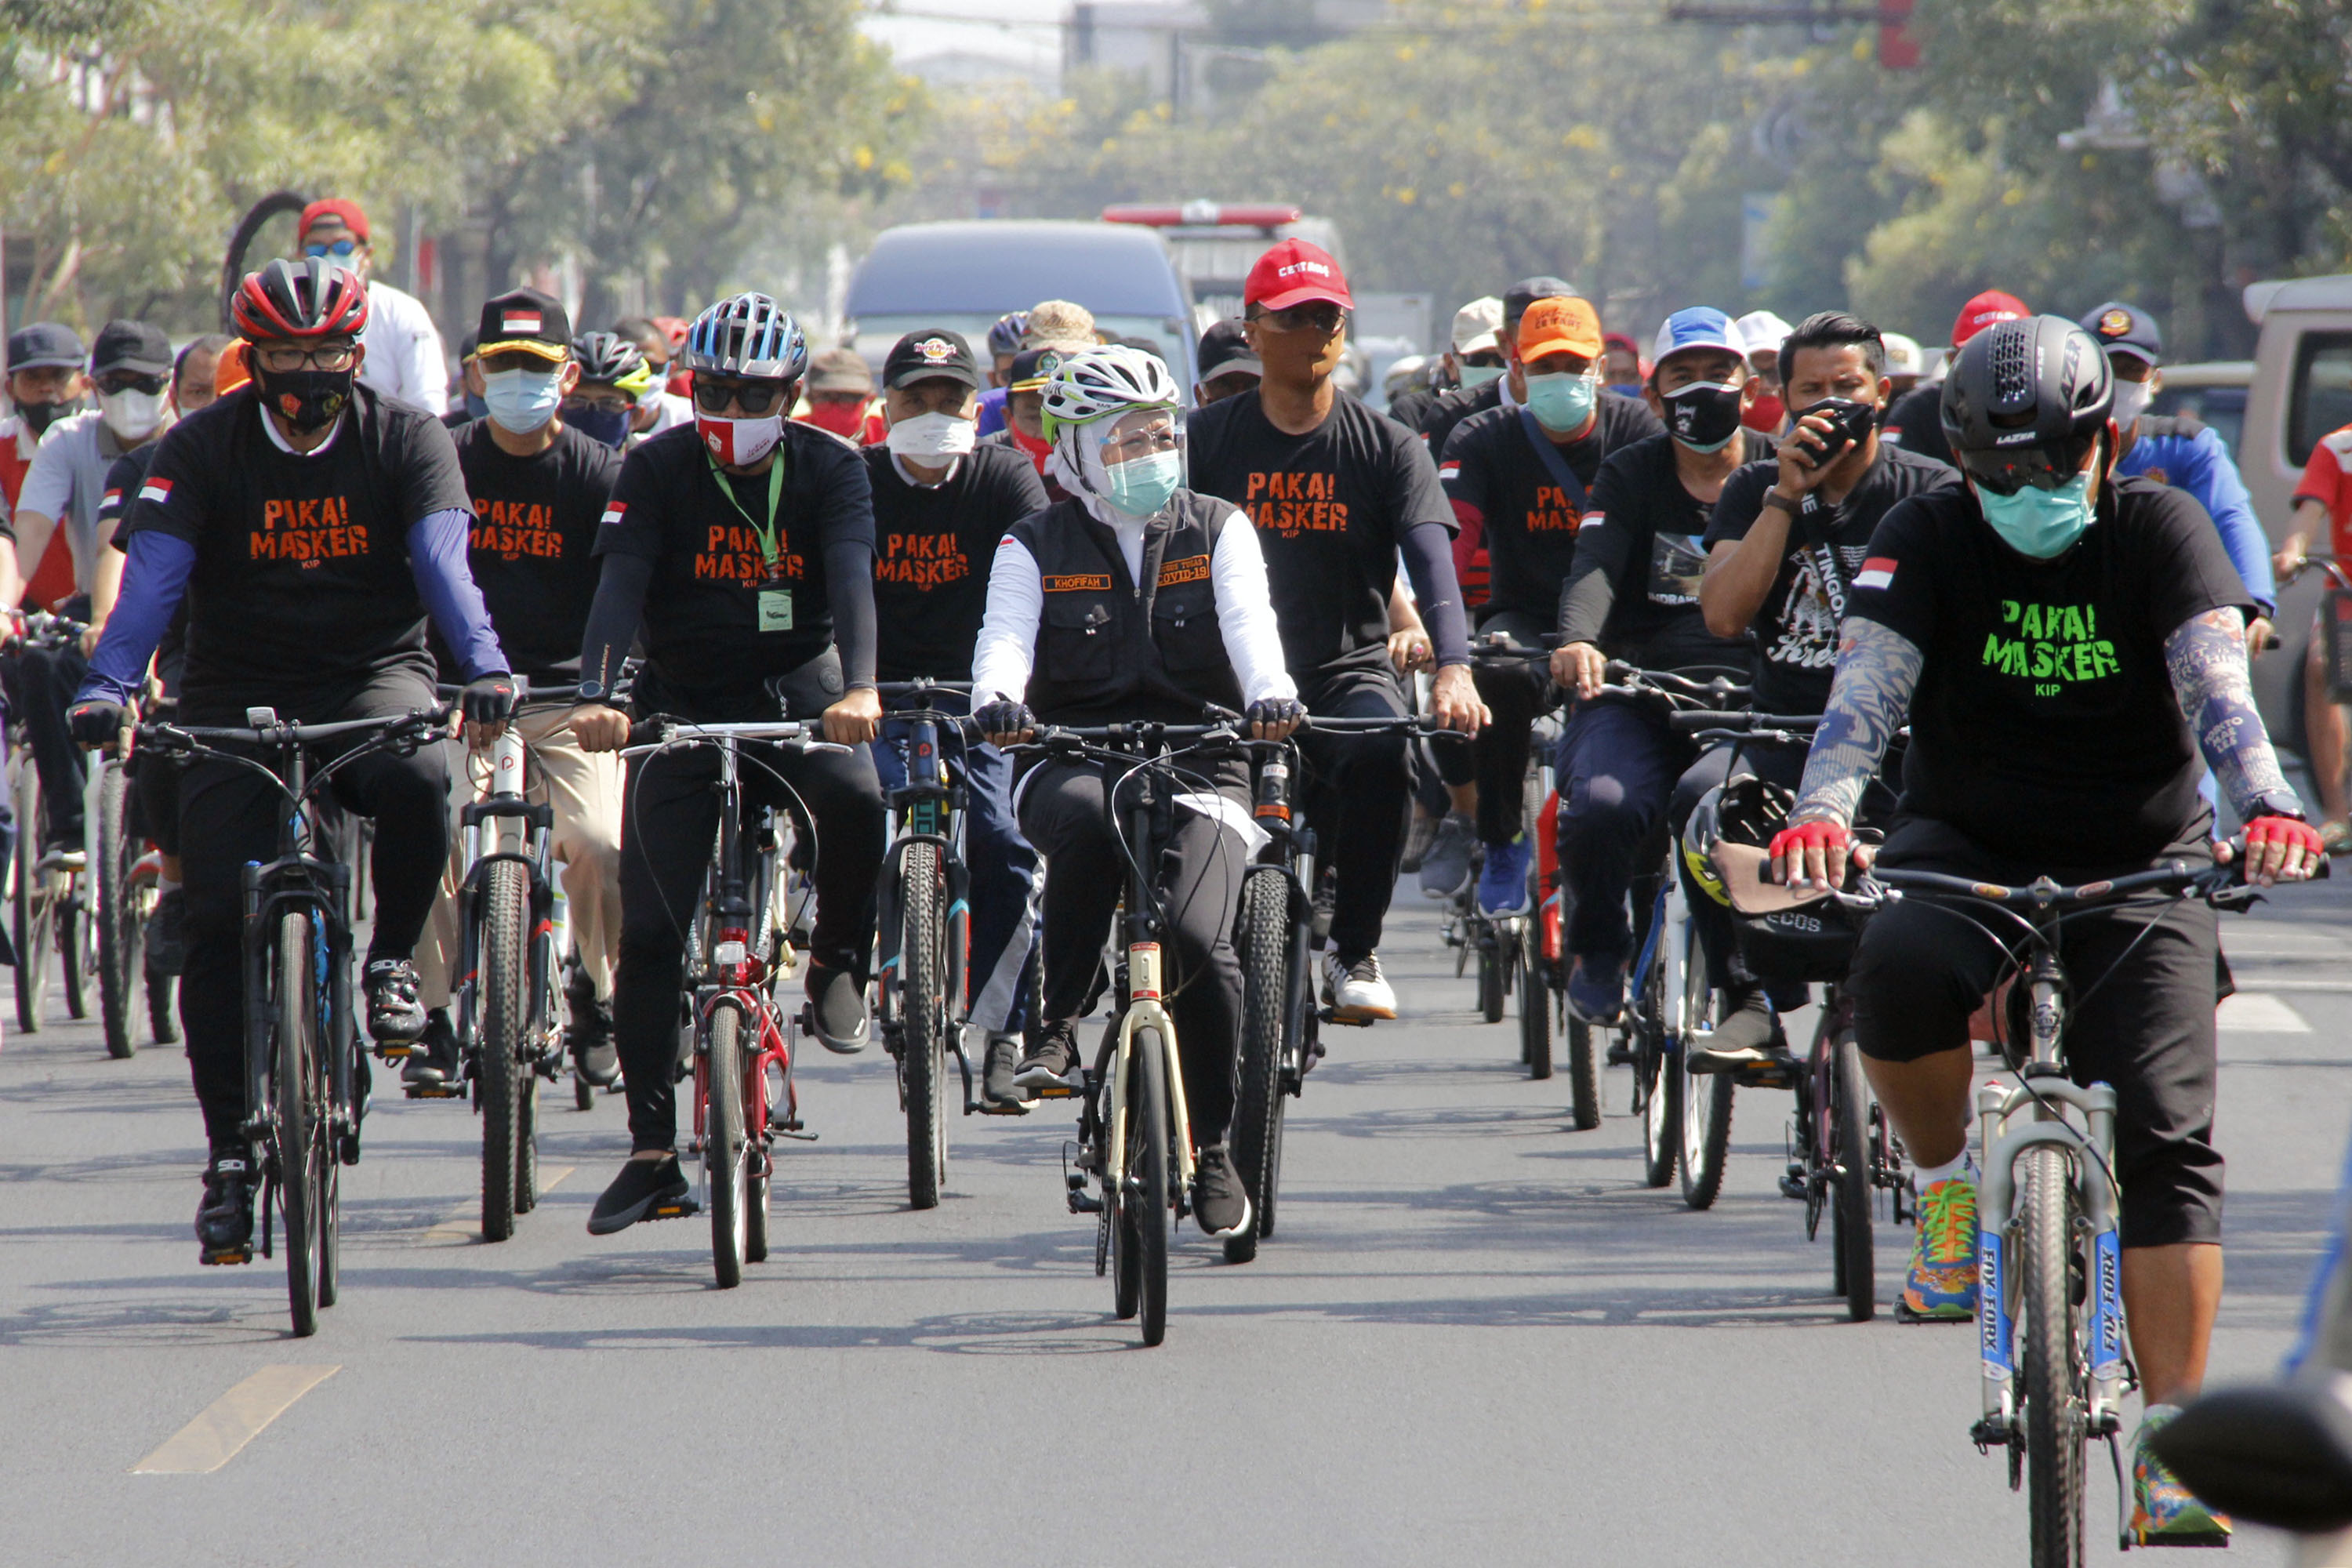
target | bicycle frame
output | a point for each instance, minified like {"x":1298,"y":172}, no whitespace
{"x":1145,"y":1004}
{"x":929,"y":810}
{"x":505,"y":824}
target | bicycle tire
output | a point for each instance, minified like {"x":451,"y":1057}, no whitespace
{"x":163,"y":997}
{"x":293,"y":1071}
{"x":499,"y":971}
{"x":1662,"y":1111}
{"x":1850,"y":1221}
{"x":761,"y":1178}
{"x":1148,"y":1168}
{"x":724,"y":1145}
{"x":2056,"y":1382}
{"x":1707,"y":1097}
{"x":1263,"y":933}
{"x":77,"y":935}
{"x":28,"y":907}
{"x":1534,"y":1006}
{"x":120,"y":925}
{"x":1493,"y":980}
{"x":923,"y":1013}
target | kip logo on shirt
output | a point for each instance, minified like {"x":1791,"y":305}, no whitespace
{"x":311,"y":531}
{"x":1291,"y":504}
{"x":2052,"y":645}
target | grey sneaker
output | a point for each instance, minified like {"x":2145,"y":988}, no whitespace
{"x":1053,"y":1060}
{"x":1446,"y":869}
{"x":1220,"y":1202}
{"x":999,"y":1096}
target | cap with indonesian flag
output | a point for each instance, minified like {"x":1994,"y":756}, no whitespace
{"x":1982,"y":311}
{"x":527,"y":321}
{"x":1295,"y":273}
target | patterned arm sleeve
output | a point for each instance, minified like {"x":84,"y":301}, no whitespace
{"x":1878,"y":670}
{"x":2206,"y":657}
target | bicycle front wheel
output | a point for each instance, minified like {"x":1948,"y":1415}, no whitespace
{"x":300,"y":1103}
{"x":725,"y":1148}
{"x":2057,"y":1375}
{"x":1535,"y":1004}
{"x":1262,"y":932}
{"x":76,"y":929}
{"x":923,"y":1010}
{"x":1494,"y":978}
{"x":1850,"y":1210}
{"x":505,"y":1013}
{"x":1140,"y":1237}
{"x":1707,"y":1097}
{"x":121,"y":921}
{"x":29,"y":906}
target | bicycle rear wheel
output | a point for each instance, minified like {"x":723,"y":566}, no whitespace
{"x":1707,"y":1097}
{"x":30,"y":906}
{"x":1494,"y":977}
{"x":1263,"y":930}
{"x":725,"y":1149}
{"x":503,"y":907}
{"x":1850,"y":1235}
{"x":923,"y":1009}
{"x":76,"y":929}
{"x":121,"y":922}
{"x":1535,"y":1004}
{"x":1148,"y":1177}
{"x":301,"y":1105}
{"x":2050,"y":1340}
{"x":1661,"y":1084}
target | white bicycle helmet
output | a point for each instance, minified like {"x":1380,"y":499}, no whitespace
{"x":1105,"y":381}
{"x":750,"y":336}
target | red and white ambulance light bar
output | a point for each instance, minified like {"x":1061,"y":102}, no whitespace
{"x":1205,"y":215}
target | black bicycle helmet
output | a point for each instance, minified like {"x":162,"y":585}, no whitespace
{"x":2024,"y":400}
{"x":309,"y":298}
{"x":609,"y":359}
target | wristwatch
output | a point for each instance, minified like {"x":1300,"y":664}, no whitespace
{"x":1774,"y":498}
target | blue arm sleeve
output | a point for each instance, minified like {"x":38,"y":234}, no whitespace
{"x":154,"y":580}
{"x":1428,"y":550}
{"x":2213,"y":479}
{"x":436,"y":556}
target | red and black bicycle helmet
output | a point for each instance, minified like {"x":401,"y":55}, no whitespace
{"x":310,"y":298}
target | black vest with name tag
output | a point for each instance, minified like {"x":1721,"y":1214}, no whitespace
{"x":1109,"y":652}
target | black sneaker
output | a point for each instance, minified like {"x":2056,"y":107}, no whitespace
{"x":641,"y":1185}
{"x":588,"y":1036}
{"x":225,"y":1217}
{"x":396,"y":1017}
{"x":1749,"y":1035}
{"x":836,"y":1010}
{"x":434,"y":1061}
{"x":1052,"y":1061}
{"x":998,"y":1095}
{"x":167,"y":947}
{"x":1220,"y":1203}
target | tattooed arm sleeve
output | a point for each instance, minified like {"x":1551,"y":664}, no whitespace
{"x":1878,"y":669}
{"x":2206,"y":657}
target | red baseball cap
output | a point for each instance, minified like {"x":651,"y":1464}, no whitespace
{"x":347,"y":211}
{"x":1982,"y":311}
{"x":1295,"y":273}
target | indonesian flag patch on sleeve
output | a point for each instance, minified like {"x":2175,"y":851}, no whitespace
{"x":157,"y":490}
{"x":1878,"y":572}
{"x":613,"y":512}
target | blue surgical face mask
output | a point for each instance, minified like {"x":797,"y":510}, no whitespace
{"x":1475,"y":376}
{"x":2038,"y":522}
{"x":1142,"y":486}
{"x":522,"y":400}
{"x":476,"y":408}
{"x":610,"y":426}
{"x":1561,"y":402}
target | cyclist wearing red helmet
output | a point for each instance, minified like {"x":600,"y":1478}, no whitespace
{"x":313,"y":526}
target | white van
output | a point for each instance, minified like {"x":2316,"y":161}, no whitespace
{"x":2302,"y":386}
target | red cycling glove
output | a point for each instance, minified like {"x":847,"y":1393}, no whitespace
{"x":1791,"y":842}
{"x":2265,"y":831}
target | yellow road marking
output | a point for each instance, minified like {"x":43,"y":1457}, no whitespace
{"x":230,"y":1422}
{"x":467,"y":1227}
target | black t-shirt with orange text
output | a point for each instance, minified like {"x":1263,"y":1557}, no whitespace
{"x":719,"y":619}
{"x":1329,"y":508}
{"x":301,"y":589}
{"x":532,"y":543}
{"x":932,"y":546}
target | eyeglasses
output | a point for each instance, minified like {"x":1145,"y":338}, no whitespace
{"x":750,"y":397}
{"x":341,"y":250}
{"x":1319,"y":316}
{"x":599,"y":402}
{"x":115,"y":380}
{"x":1141,"y":444}
{"x":285,"y":359}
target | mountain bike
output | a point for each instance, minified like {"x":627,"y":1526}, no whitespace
{"x":303,"y":1052}
{"x":126,"y":872}
{"x":49,"y":894}
{"x":736,"y":961}
{"x":2055,"y":1359}
{"x":925,"y":931}
{"x":1135,"y":1139}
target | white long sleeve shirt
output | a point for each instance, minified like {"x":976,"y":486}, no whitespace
{"x":404,"y":357}
{"x":1003,"y":658}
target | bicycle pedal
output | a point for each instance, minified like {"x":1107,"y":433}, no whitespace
{"x":1791,"y":1187}
{"x":396,"y":1051}
{"x":991,"y":1107}
{"x":226,"y":1255}
{"x":435,"y":1090}
{"x":681,"y":1208}
{"x":1056,"y":1091}
{"x":1620,"y":1055}
{"x":1766,"y":1075}
{"x":796,"y":1134}
{"x":1904,"y":1314}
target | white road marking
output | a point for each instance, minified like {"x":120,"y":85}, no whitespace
{"x":2260,"y":1013}
{"x":466,"y":1226}
{"x":230,"y":1422}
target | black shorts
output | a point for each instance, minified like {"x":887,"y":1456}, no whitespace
{"x":2139,"y":1019}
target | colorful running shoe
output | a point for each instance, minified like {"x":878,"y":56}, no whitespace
{"x":2165,"y":1512}
{"x":1942,"y":1284}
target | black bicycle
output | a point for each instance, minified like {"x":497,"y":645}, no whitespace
{"x":304,"y":1067}
{"x":49,"y":903}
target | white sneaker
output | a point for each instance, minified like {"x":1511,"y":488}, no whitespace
{"x":1357,"y":990}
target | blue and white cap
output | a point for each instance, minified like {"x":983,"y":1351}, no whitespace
{"x":1698,"y":327}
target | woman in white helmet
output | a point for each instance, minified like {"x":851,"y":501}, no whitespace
{"x":1133,"y":600}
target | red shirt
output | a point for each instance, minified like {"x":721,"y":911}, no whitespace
{"x":2325,"y":479}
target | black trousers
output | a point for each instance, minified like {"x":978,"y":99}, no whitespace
{"x":669,"y":815}
{"x":155,"y":788}
{"x":1356,"y":789}
{"x":230,"y":815}
{"x":1516,"y":692}
{"x":2144,"y":980}
{"x":1061,"y":812}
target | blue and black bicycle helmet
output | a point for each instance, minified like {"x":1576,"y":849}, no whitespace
{"x":750,"y":337}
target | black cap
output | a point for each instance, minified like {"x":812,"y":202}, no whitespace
{"x":934,"y":353}
{"x":130,"y":345}
{"x":1526,"y":293}
{"x":2119,"y":326}
{"x":1226,"y":350}
{"x":526,"y":319}
{"x":1033,"y":368}
{"x":45,"y":343}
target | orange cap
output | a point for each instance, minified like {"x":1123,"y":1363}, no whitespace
{"x":1559,"y":326}
{"x":230,"y":372}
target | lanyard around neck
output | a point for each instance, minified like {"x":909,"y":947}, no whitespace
{"x":765,"y":532}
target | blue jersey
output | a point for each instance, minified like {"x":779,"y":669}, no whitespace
{"x":992,"y":411}
{"x":2187,"y":456}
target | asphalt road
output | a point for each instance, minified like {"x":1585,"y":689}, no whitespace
{"x":1479,"y":1338}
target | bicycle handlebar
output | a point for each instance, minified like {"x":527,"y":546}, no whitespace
{"x":1876,"y":886}
{"x":919,"y":687}
{"x":1695,"y":718}
{"x":524,"y":691}
{"x":677,"y":731}
{"x":265,"y":726}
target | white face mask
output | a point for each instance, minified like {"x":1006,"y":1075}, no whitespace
{"x":131,"y":414}
{"x":930,"y":436}
{"x":2131,"y":401}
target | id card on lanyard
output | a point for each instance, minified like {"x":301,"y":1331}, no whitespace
{"x":775,"y":599}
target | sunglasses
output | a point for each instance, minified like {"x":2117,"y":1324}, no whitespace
{"x":1320,"y":317}
{"x":2005,"y":472}
{"x":596,"y":403}
{"x":341,"y":250}
{"x":751,"y":396}
{"x":129,"y":381}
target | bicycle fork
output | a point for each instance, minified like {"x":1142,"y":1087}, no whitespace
{"x":1144,"y":1008}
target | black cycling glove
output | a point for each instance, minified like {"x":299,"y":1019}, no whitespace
{"x":1274,"y":710}
{"x":490,"y":699}
{"x":97,"y":722}
{"x":1004,"y":717}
